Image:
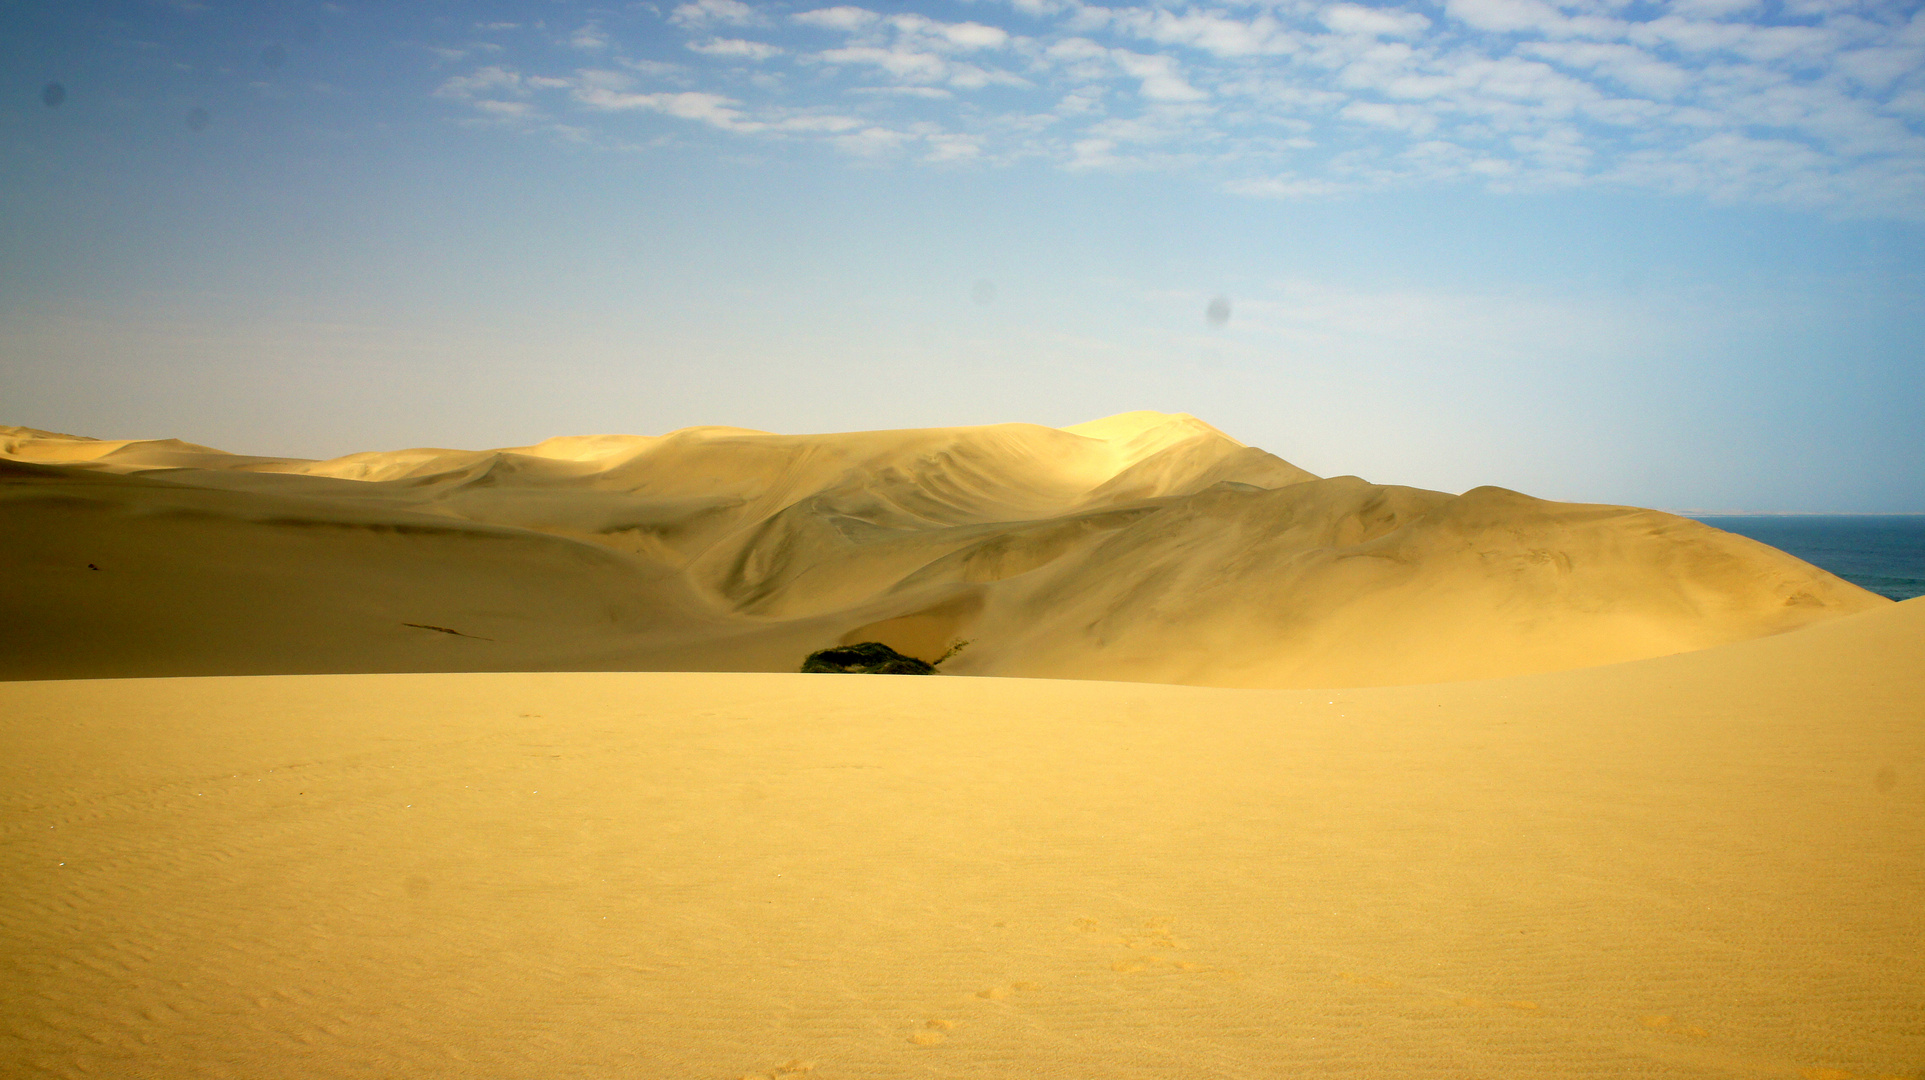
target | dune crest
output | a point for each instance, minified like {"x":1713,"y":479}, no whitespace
{"x":1144,"y":546}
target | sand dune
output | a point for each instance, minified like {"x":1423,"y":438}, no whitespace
{"x":1146,"y":546}
{"x":1704,"y":865}
{"x":1702,"y":862}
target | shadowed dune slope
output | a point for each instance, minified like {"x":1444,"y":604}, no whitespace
{"x":1145,"y":546}
{"x":1696,"y":866}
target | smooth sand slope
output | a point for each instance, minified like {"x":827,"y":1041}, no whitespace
{"x":1707,"y":865}
{"x":1146,"y":547}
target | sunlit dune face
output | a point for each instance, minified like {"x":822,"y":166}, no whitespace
{"x":1144,"y":546}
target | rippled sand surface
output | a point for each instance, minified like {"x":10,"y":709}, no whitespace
{"x":1703,"y":865}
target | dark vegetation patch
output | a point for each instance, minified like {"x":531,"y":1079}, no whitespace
{"x":445,"y":630}
{"x":868,"y":658}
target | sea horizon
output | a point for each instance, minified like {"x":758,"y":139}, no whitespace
{"x":1884,"y":553}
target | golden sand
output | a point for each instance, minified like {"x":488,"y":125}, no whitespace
{"x":1682,"y":836}
{"x":1704,"y":865}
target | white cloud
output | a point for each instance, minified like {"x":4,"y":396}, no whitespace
{"x":1211,"y":31}
{"x":971,"y":77}
{"x":1729,"y":167}
{"x":1626,"y":65}
{"x":935,"y":92}
{"x":1909,"y":103}
{"x":1286,"y":186}
{"x":817,"y":123}
{"x":735,"y":47}
{"x":1094,"y":154}
{"x":912,"y":66}
{"x":589,"y":38}
{"x":1758,"y":43}
{"x":870,"y":142}
{"x":1076,"y":50}
{"x":1817,"y":103}
{"x":516,"y":110}
{"x":600,"y":79}
{"x":1412,"y":118}
{"x":702,"y":13}
{"x":484,"y":80}
{"x":915,"y":66}
{"x":714,"y":109}
{"x":1878,"y":68}
{"x":941,"y":35}
{"x":652,"y":68}
{"x":953,"y":147}
{"x":1161,"y":78}
{"x":1512,"y":16}
{"x":1374,"y":22}
{"x":1713,"y":9}
{"x":1087,"y":101}
{"x":846,"y":19}
{"x":971,"y":35}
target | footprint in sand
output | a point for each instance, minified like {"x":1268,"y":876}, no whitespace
{"x":1129,"y":965}
{"x":1154,"y":934}
{"x":1157,"y":933}
{"x":933,"y":1032}
{"x":1000,"y":993}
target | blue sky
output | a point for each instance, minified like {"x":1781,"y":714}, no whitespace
{"x":1665,"y":254}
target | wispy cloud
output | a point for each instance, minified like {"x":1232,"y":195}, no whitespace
{"x":1812,"y":103}
{"x":846,"y":19}
{"x":702,"y":14}
{"x":735,"y":47}
{"x":590,"y":38}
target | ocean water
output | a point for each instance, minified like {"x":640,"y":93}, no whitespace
{"x":1883,"y":554}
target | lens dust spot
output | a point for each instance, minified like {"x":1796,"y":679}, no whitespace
{"x":197,"y":119}
{"x":52,"y":94}
{"x":1218,"y":313}
{"x":983,"y":292}
{"x":274,"y":55}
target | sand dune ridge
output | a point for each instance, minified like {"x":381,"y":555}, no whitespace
{"x":1145,"y":546}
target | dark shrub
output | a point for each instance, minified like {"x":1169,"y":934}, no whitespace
{"x":868,"y":658}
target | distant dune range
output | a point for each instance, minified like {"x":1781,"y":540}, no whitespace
{"x":1146,"y":546}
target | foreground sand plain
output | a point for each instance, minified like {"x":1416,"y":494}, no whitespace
{"x":1147,"y":547}
{"x":1704,"y":865}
